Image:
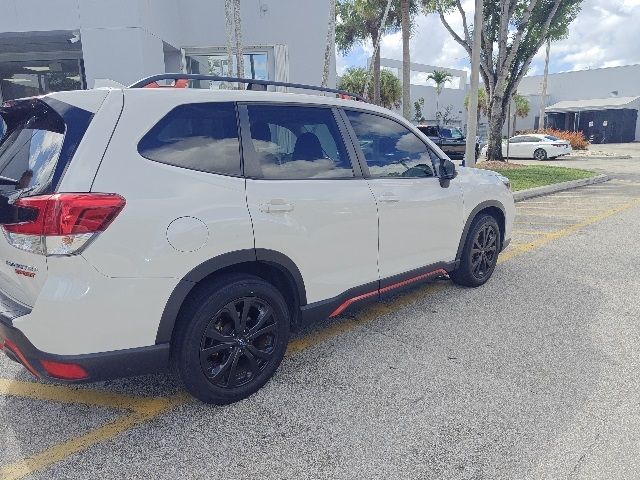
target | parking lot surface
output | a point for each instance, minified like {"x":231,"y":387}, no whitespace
{"x":534,"y":375}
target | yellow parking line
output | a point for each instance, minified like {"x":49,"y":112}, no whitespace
{"x":551,"y":214}
{"x":519,"y":250}
{"x":141,"y":410}
{"x":63,"y":394}
{"x":145,"y":409}
{"x":528,"y":232}
{"x":542,"y":223}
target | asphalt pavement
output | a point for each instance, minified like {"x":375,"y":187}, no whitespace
{"x":534,"y":375}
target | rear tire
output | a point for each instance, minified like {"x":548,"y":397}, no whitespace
{"x":231,"y":337}
{"x":540,"y":154}
{"x":480,"y":253}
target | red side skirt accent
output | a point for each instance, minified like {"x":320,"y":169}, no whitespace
{"x":393,"y":286}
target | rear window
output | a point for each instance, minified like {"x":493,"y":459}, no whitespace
{"x":198,"y":136}
{"x":39,"y":138}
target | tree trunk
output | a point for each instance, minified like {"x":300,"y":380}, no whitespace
{"x":331,"y":41}
{"x":515,"y":117}
{"x":496,"y":122}
{"x":376,"y":78}
{"x":237,"y":20}
{"x":406,"y":61}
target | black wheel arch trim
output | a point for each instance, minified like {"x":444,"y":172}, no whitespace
{"x":478,"y":208}
{"x":215,"y":264}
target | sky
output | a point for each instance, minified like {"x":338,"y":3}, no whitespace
{"x":605,"y":34}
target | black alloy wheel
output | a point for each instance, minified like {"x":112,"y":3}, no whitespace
{"x":479,"y":253}
{"x":484,"y":250}
{"x":230,"y":338}
{"x":239,"y":342}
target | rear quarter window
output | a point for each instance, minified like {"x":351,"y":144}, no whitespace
{"x":201,"y":136}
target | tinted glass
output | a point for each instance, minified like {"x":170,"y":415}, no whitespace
{"x":291,"y":142}
{"x":199,"y":136}
{"x":451,"y":132}
{"x":29,"y":152}
{"x":391,"y":149}
{"x":429,"y":131}
{"x":517,"y":139}
{"x":551,"y":137}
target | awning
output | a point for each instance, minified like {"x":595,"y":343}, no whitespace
{"x":611,"y":103}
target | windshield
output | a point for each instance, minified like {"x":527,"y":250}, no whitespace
{"x":451,"y":132}
{"x":551,"y":137}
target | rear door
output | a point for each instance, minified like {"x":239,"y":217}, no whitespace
{"x":34,"y":151}
{"x":307,"y":198}
{"x":420,"y":221}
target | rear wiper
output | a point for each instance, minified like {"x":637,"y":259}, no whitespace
{"x":8,"y":181}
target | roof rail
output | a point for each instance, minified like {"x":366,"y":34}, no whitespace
{"x":152,"y":82}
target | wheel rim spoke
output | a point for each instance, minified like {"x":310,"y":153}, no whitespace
{"x":215,"y":335}
{"x":263,"y":331}
{"x":223,"y":368}
{"x":253,"y":363}
{"x":232,"y":379}
{"x":262,"y":354}
{"x":265,"y":314}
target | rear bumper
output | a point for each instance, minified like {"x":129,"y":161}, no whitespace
{"x":98,"y":366}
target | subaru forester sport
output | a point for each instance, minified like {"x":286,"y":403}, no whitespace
{"x":144,"y":228}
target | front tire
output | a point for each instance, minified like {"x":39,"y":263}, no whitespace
{"x":480,"y":253}
{"x":232,"y":335}
{"x":540,"y":154}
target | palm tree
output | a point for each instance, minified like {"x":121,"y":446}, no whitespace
{"x":234,"y":38}
{"x":405,"y":15}
{"x":362,"y":20}
{"x":356,"y":80}
{"x":522,"y":109}
{"x":440,"y":77}
{"x":483,"y":107}
{"x":331,"y":41}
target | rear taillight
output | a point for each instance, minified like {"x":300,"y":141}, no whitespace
{"x":62,"y":224}
{"x":64,"y":371}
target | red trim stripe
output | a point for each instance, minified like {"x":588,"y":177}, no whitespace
{"x":393,"y":286}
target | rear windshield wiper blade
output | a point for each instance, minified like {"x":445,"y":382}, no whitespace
{"x":8,"y":181}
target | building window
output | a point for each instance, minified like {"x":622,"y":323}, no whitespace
{"x":256,"y":66}
{"x":20,"y":79}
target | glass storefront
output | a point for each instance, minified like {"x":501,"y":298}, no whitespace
{"x":36,"y":77}
{"x":255,"y":66}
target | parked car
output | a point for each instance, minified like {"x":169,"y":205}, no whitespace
{"x":150,"y":227}
{"x":535,"y":145}
{"x":451,"y":140}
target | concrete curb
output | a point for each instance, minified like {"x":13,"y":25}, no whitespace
{"x":558,"y":187}
{"x":595,"y":157}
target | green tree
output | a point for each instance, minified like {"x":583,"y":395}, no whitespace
{"x":512,"y":33}
{"x":360,"y":21}
{"x":482,"y":103}
{"x":418,"y":107}
{"x":440,"y":77}
{"x":408,"y":11}
{"x":522,"y":108}
{"x":355,"y":79}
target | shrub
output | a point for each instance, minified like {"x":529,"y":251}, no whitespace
{"x":576,"y":139}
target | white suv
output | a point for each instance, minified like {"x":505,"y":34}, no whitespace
{"x":149,"y":227}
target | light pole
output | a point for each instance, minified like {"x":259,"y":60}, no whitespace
{"x":472,"y":112}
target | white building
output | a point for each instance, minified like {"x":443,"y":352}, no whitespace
{"x":65,"y":44}
{"x":603,"y":103}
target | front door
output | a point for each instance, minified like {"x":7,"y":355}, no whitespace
{"x":306,"y":198}
{"x":420,"y":221}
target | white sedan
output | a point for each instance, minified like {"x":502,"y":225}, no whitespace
{"x":535,"y":145}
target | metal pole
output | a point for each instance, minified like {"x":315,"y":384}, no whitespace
{"x":543,"y":97}
{"x":472,"y":112}
{"x":508,"y":129}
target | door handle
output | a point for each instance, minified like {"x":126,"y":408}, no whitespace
{"x":389,"y":198}
{"x":276,"y":206}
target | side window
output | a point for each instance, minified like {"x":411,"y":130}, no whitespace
{"x":516,"y":139}
{"x":197,"y":136}
{"x":531,"y":139}
{"x":391,"y":149}
{"x":297,"y":142}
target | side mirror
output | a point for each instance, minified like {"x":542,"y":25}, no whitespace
{"x":447,"y":172}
